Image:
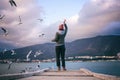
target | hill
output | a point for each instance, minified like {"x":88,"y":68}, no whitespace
{"x":95,"y":46}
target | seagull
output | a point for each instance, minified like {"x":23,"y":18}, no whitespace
{"x":10,"y":63}
{"x":38,"y":66}
{"x":20,"y":22}
{"x":27,"y":57}
{"x":38,"y":53}
{"x":40,"y":20}
{"x":23,"y":71}
{"x":1,"y":17}
{"x":5,"y":31}
{"x":12,"y":2}
{"x":13,"y":52}
{"x":41,"y":35}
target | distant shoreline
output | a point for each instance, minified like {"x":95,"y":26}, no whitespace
{"x":55,"y":61}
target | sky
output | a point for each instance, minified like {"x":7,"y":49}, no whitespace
{"x":84,"y":18}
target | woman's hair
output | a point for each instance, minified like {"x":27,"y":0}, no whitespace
{"x":61,"y":27}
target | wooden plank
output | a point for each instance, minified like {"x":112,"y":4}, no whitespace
{"x":21,"y":75}
{"x":62,"y":75}
{"x":101,"y":76}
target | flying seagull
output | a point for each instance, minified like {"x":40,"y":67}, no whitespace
{"x":12,"y":2}
{"x":40,"y":20}
{"x":5,"y":31}
{"x":1,"y":17}
{"x":10,"y":62}
{"x":38,"y":53}
{"x":27,"y":57}
{"x":13,"y":52}
{"x":41,"y":35}
{"x":20,"y":22}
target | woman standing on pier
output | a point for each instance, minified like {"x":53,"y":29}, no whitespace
{"x":60,"y":45}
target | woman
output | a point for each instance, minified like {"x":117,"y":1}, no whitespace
{"x":60,"y":45}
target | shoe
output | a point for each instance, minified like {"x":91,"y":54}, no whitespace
{"x":59,"y":69}
{"x":64,"y":69}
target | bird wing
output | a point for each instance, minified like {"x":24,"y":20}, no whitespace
{"x":3,"y":16}
{"x":9,"y":65}
{"x":11,"y":3}
{"x":4,"y":29}
{"x":14,"y":3}
{"x":40,"y":20}
{"x":29,"y":53}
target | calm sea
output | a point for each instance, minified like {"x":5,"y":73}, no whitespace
{"x":105,"y":67}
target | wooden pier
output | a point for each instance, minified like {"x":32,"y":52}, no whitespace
{"x":82,"y":74}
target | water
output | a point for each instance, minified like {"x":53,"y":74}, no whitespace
{"x":104,"y":67}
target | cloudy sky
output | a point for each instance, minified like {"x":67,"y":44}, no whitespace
{"x":85,"y":18}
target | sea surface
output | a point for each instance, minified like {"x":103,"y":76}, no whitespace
{"x":104,"y":67}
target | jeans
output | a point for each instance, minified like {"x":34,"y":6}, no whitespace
{"x":60,"y":54}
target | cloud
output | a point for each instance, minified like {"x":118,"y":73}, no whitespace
{"x":29,"y":11}
{"x":94,"y":17}
{"x":112,"y":28}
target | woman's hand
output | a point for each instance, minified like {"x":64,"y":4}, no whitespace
{"x":64,"y":21}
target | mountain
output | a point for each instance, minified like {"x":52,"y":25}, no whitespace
{"x":6,"y":46}
{"x":96,"y":46}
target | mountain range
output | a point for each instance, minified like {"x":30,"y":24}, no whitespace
{"x":95,"y":46}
